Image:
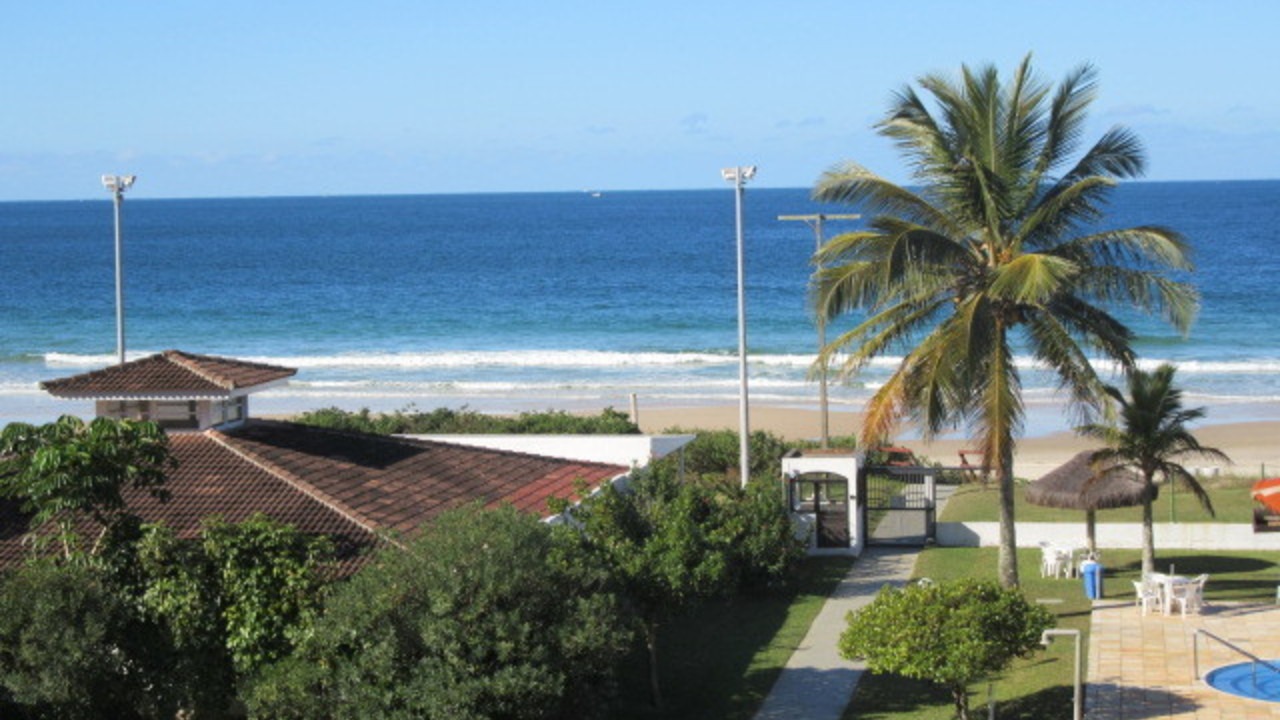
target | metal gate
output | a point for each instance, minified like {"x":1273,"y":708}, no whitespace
{"x":898,"y":504}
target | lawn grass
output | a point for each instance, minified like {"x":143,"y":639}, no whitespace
{"x":1229,"y":495}
{"x":721,"y":660}
{"x":1039,"y":687}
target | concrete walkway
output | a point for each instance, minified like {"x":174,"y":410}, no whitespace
{"x":817,"y":683}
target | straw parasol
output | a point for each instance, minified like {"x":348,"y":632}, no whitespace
{"x":1078,"y":485}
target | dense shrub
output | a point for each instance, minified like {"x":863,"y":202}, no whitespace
{"x":470,"y":422}
{"x":72,"y":648}
{"x":486,"y":614}
{"x":760,"y":535}
{"x":952,"y":634}
{"x":716,"y":453}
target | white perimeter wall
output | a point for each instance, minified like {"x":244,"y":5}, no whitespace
{"x":1177,"y":536}
{"x":625,"y":450}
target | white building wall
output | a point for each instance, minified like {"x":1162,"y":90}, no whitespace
{"x":1176,"y":536}
{"x":847,"y":467}
{"x":625,"y":450}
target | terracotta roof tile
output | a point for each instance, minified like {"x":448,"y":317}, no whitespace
{"x":400,"y":484}
{"x":348,"y":486}
{"x":211,"y":480}
{"x":171,"y":373}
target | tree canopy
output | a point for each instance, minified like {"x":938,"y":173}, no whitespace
{"x":952,"y":634}
{"x":1000,"y":250}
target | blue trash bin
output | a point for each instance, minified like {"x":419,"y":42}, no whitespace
{"x":1091,"y":572}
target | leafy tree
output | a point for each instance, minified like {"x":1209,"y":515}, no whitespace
{"x":1150,"y":436}
{"x":68,"y":469}
{"x":231,"y":601}
{"x":999,"y":251}
{"x":488,"y":614}
{"x":660,"y":542}
{"x":952,"y":634}
{"x":72,"y":648}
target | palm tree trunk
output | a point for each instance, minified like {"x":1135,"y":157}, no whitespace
{"x":1008,"y":531}
{"x":1148,"y":533}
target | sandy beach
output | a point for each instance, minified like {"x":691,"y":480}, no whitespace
{"x":1252,"y":446}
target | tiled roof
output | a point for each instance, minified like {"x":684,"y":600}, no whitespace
{"x":170,"y":373}
{"x":398,"y":484}
{"x":348,"y":486}
{"x":212,"y":480}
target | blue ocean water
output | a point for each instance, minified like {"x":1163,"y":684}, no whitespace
{"x":509,"y":302}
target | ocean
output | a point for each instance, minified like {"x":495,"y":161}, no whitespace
{"x":512,"y":302}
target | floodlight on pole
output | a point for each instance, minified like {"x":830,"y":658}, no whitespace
{"x":117,"y":185}
{"x":739,"y":176}
{"x":816,"y":222}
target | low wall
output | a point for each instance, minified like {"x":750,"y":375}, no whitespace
{"x":1179,"y":536}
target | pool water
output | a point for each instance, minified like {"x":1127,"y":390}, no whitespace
{"x":1239,"y":680}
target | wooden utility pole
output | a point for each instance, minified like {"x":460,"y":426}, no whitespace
{"x":816,"y":221}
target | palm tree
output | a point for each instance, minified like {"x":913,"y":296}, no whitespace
{"x":1149,"y":436}
{"x":996,"y":252}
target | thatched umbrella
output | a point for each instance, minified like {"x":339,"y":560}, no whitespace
{"x":1078,"y":485}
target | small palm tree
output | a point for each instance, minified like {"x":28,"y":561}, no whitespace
{"x":998,"y":252}
{"x":1149,"y":436}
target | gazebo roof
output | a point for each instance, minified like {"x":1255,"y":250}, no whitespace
{"x":1073,"y":486}
{"x":170,"y":374}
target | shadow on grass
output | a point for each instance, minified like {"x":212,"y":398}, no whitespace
{"x":721,"y":659}
{"x":895,"y":696}
{"x":1231,"y":577}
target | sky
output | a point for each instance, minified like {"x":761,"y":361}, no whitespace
{"x":250,"y":98}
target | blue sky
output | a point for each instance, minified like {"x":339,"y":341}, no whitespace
{"x":233,"y":98}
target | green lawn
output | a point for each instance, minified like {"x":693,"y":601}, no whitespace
{"x":1230,"y":497}
{"x":1039,"y":687}
{"x":721,"y":660}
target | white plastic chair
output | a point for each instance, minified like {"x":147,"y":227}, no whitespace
{"x":1189,"y":595}
{"x":1050,"y":560}
{"x":1147,"y":594}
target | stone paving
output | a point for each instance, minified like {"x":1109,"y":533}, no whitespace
{"x":1143,"y":667}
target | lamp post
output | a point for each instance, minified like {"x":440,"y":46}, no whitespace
{"x":815,"y":222}
{"x":739,"y":177}
{"x":1077,"y":707}
{"x":116,"y":185}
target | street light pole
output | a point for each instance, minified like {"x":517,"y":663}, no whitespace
{"x":815,"y":222}
{"x":739,"y":176}
{"x":116,"y":185}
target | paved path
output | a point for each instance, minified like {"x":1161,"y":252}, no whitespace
{"x":1142,"y":667}
{"x":817,"y":683}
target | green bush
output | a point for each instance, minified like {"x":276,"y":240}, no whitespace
{"x":760,"y":534}
{"x":71,"y":648}
{"x":716,"y":453}
{"x":470,"y":422}
{"x":952,"y":634}
{"x":489,"y":613}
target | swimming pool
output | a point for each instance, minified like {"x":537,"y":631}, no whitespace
{"x":1241,"y":679}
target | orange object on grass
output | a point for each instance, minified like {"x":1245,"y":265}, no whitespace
{"x":1267,"y":492}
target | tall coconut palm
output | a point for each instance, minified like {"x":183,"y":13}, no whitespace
{"x":999,"y":252}
{"x":1150,"y":434}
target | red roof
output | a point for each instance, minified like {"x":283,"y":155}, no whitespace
{"x":348,"y":486}
{"x":172,"y":373}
